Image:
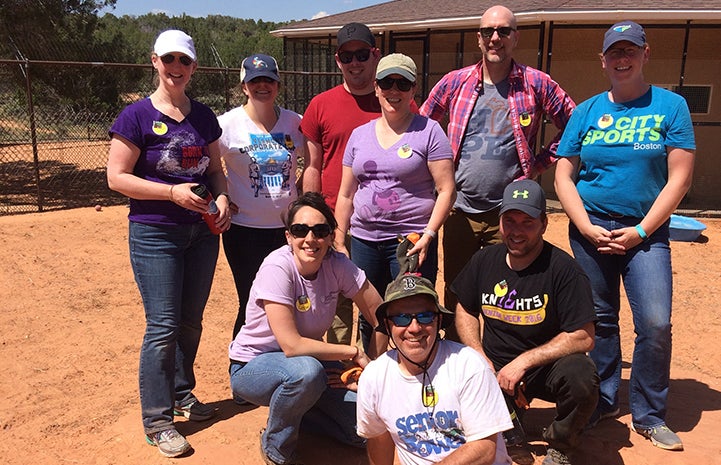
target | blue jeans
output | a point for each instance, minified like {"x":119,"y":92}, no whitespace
{"x":245,"y":249}
{"x":296,"y":390}
{"x":646,"y":274}
{"x":379,"y":262}
{"x":174,"y":269}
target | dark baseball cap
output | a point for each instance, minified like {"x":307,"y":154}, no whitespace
{"x":355,"y":31}
{"x":625,"y":30}
{"x":407,"y":285}
{"x":259,"y":65}
{"x":526,"y":196}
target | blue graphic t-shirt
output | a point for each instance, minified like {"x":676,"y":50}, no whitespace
{"x":171,"y":152}
{"x":622,"y":148}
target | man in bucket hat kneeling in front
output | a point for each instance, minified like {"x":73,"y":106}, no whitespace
{"x":527,"y":307}
{"x":429,"y":399}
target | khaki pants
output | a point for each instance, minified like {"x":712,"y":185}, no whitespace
{"x":463,"y":235}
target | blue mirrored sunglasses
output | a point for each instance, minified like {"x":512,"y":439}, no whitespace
{"x":404,"y":319}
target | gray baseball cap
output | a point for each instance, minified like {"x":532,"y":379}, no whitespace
{"x":526,"y":196}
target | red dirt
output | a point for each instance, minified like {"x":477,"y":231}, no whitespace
{"x":73,"y":325}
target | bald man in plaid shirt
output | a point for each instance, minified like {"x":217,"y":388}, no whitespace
{"x":495,"y":110}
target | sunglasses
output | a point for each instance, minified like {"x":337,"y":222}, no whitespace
{"x":360,"y":55}
{"x":403,"y":84}
{"x":264,"y":79}
{"x":319,"y":230}
{"x":503,"y":31}
{"x":404,"y":319}
{"x":184,"y":60}
{"x":616,"y":53}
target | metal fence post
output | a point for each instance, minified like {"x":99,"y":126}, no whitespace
{"x":33,"y":135}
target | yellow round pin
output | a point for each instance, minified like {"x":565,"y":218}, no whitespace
{"x":302,"y":303}
{"x":159,"y":128}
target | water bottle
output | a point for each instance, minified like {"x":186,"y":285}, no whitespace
{"x":515,"y":436}
{"x":209,"y":216}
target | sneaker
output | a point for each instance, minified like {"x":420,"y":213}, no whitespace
{"x":660,"y":436}
{"x":555,"y":457}
{"x":599,"y":416}
{"x":169,"y":442}
{"x":195,"y":411}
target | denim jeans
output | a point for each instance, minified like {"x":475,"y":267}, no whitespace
{"x":646,"y":274}
{"x":245,"y":249}
{"x":379,"y":262}
{"x":173,"y":267}
{"x":296,"y":390}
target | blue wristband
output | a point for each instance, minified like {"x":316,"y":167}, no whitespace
{"x":641,"y":232}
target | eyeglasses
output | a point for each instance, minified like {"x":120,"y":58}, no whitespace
{"x":264,"y":79}
{"x":403,"y":84}
{"x":301,"y":230}
{"x":404,"y":319}
{"x":360,"y":55}
{"x":169,"y":58}
{"x":616,"y":53}
{"x":503,"y":31}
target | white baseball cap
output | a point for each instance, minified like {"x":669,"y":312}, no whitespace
{"x":174,"y":41}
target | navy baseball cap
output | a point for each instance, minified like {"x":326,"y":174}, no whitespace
{"x":526,"y":196}
{"x":259,"y":65}
{"x":625,"y":30}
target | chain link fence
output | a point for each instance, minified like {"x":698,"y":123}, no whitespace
{"x":54,"y":121}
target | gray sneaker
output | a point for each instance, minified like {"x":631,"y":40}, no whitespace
{"x":195,"y":411}
{"x":555,"y":457}
{"x":169,"y":442}
{"x":660,"y":436}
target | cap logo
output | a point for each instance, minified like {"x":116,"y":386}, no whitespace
{"x":622,"y":28}
{"x":409,"y":283}
{"x":258,"y":63}
{"x":517,"y":194}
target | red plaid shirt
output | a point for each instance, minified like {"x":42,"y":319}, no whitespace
{"x":531,"y":94}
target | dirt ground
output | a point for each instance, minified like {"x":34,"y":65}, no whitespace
{"x":73,"y":324}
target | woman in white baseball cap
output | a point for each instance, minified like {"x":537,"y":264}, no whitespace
{"x":161,"y":148}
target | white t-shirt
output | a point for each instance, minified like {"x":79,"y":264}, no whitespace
{"x":261,"y":166}
{"x":466,"y":405}
{"x":314,"y":300}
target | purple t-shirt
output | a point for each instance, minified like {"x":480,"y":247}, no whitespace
{"x":314,"y":301}
{"x":396,"y":192}
{"x":171,"y":152}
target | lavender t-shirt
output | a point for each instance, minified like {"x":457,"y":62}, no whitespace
{"x":171,"y":152}
{"x":396,"y":192}
{"x":313,"y":301}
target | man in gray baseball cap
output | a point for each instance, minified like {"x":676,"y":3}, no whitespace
{"x":538,"y":319}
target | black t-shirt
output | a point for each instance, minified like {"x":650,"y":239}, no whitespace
{"x":524,"y":309}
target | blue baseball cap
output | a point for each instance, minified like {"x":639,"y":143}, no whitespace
{"x":625,"y":30}
{"x":526,"y":196}
{"x":259,"y":65}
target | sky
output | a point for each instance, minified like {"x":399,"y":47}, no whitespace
{"x":267,"y":10}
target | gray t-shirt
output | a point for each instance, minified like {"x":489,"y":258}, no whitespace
{"x":488,"y":161}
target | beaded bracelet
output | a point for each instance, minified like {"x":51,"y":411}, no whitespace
{"x":430,"y":232}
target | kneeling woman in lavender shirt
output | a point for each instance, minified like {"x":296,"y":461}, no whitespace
{"x":279,"y":358}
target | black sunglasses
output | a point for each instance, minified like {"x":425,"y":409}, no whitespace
{"x":301,"y":230}
{"x":403,"y":84}
{"x":404,"y":319}
{"x":264,"y":79}
{"x":360,"y":55}
{"x":503,"y":31}
{"x":184,"y":60}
